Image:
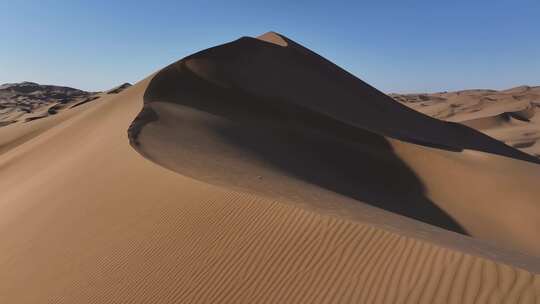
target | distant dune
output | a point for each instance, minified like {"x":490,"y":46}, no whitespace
{"x":259,"y":172}
{"x":119,"y":88}
{"x":28,"y":101}
{"x":509,"y":115}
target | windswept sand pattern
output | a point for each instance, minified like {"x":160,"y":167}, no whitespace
{"x":257,"y":251}
{"x":357,"y":264}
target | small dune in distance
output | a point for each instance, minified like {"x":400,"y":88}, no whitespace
{"x":257,"y":171}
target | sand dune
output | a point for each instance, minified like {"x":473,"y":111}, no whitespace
{"x":271,"y":176}
{"x":247,"y":115}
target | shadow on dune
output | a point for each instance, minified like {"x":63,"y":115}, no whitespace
{"x":230,"y":137}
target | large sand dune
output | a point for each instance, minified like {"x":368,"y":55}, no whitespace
{"x":271,"y":176}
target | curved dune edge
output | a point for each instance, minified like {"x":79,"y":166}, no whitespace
{"x":97,"y":223}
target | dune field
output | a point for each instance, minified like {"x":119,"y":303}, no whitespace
{"x":259,"y":172}
{"x":507,"y":115}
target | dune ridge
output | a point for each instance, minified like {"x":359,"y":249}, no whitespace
{"x":84,"y":218}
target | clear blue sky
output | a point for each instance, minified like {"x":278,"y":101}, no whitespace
{"x":397,"y":46}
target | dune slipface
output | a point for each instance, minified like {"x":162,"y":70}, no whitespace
{"x":269,"y":176}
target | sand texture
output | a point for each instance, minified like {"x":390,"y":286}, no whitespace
{"x":259,"y":172}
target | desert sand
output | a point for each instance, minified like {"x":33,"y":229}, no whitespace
{"x":259,"y":172}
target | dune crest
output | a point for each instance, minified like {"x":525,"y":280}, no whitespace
{"x":274,"y":38}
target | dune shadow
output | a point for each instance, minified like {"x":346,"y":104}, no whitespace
{"x":283,"y":137}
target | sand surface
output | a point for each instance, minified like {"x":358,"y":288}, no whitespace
{"x":243,"y":181}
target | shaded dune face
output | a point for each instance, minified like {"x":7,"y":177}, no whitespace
{"x":280,"y":121}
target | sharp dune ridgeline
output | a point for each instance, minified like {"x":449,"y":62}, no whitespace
{"x":259,"y":172}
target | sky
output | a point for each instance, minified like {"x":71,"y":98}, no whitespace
{"x":396,"y":46}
